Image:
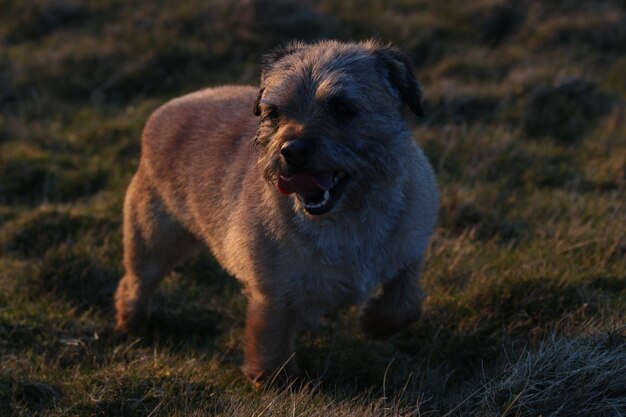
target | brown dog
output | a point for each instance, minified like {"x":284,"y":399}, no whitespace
{"x":312,"y":204}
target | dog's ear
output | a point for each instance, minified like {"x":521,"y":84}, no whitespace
{"x":257,"y":110}
{"x":401,"y":77}
{"x":268,"y":61}
{"x":276,"y":54}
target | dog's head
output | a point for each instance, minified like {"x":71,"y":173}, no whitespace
{"x":331,"y":121}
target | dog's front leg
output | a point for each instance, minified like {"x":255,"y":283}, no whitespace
{"x":397,"y":307}
{"x":270,"y":341}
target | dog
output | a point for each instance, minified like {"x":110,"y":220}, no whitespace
{"x":310,"y":191}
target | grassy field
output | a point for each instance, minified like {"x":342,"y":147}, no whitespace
{"x":526,"y":275}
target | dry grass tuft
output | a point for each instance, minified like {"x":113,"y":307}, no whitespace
{"x":563,"y":377}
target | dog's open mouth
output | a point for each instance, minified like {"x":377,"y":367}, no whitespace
{"x":318,"y":192}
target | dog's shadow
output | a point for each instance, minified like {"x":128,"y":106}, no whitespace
{"x":339,"y":360}
{"x":198,"y":303}
{"x":190,"y":304}
{"x":191,"y":326}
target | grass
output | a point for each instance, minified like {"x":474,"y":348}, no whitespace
{"x":526,"y":275}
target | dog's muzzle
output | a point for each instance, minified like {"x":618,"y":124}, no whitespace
{"x":317,"y":192}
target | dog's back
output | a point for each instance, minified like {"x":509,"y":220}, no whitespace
{"x":196,"y":159}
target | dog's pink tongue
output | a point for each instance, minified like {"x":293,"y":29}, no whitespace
{"x":306,"y":185}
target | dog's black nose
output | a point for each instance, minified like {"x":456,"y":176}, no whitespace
{"x":297,"y":152}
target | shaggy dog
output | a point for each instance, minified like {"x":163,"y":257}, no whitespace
{"x":310,"y":191}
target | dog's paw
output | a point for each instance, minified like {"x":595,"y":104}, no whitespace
{"x":284,"y":378}
{"x":127,"y":321}
{"x":130,"y":316}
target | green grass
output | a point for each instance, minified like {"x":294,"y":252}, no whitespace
{"x":526,"y":274}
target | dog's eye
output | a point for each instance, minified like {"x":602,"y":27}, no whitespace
{"x":341,"y":109}
{"x":271,"y":113}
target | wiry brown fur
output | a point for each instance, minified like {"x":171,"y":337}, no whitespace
{"x":208,"y":174}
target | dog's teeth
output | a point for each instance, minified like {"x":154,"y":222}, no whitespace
{"x":320,"y":204}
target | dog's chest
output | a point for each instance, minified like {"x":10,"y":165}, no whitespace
{"x":345,"y":264}
{"x":335,"y":283}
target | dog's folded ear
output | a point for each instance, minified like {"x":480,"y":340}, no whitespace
{"x":257,"y":109}
{"x":276,"y":54}
{"x":268,"y":61}
{"x":401,"y":77}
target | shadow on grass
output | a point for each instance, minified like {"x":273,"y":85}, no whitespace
{"x":31,"y":180}
{"x":186,"y":325}
{"x":78,"y":275}
{"x":456,"y":339}
{"x":32,"y":235}
{"x":31,"y":397}
{"x":86,"y":280}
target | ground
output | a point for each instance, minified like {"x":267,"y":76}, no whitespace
{"x":526,"y":275}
